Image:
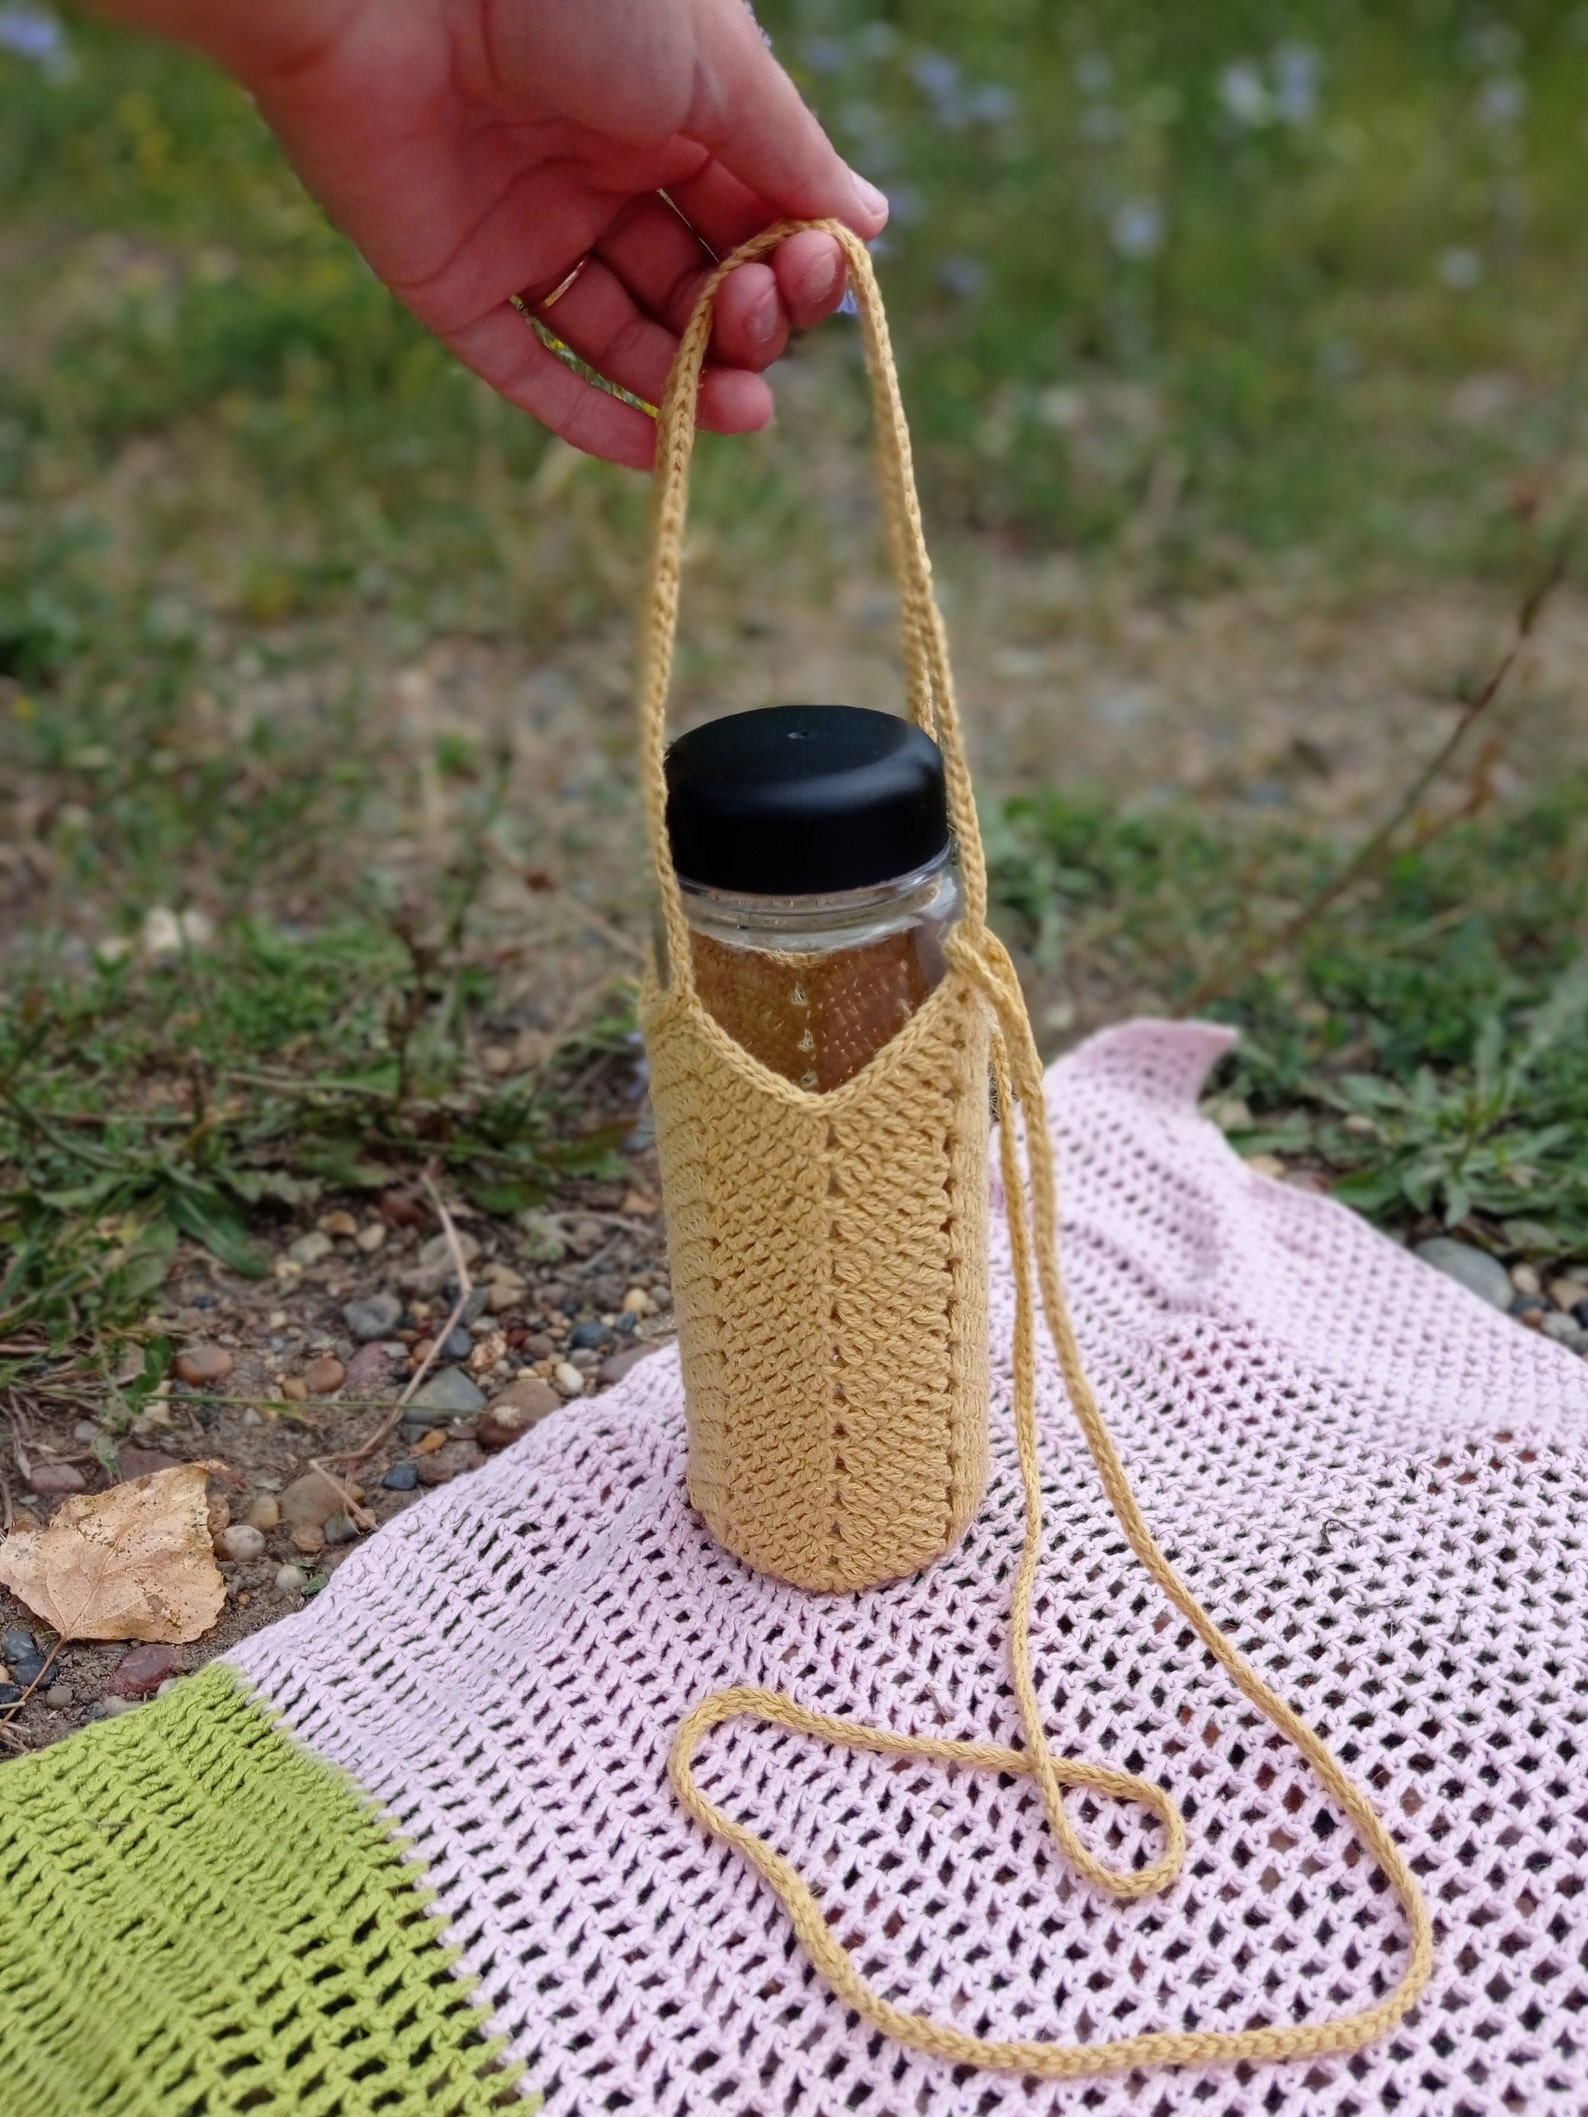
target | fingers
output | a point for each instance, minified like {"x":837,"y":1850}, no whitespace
{"x":749,"y":113}
{"x":811,"y":276}
{"x":750,"y":326}
{"x":602,"y":322}
{"x":663,"y":262}
{"x":504,"y":351}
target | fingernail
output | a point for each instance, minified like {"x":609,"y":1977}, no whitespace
{"x":763,"y":320}
{"x":872,"y":201}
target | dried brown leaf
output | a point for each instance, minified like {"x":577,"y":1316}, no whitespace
{"x":131,"y":1563}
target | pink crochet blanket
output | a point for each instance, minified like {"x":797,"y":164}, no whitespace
{"x":1377,"y":1485}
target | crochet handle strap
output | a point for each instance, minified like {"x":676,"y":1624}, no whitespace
{"x":929,"y":687}
{"x":1031,"y":1205}
{"x":1032,"y":1212}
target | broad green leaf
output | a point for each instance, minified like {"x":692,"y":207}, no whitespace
{"x":211,"y":1218}
{"x":142,"y":1272}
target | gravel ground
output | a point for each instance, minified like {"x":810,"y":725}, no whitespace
{"x":1294,"y":695}
{"x":281,"y":1381}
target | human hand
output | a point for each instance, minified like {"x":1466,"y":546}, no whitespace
{"x":482,"y":150}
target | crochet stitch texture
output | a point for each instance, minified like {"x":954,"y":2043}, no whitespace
{"x":1374,"y":1482}
{"x":198,"y":1917}
{"x":785,"y":1463}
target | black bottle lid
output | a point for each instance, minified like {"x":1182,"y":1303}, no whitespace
{"x":802,"y":801}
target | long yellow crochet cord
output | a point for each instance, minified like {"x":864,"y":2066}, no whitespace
{"x":1032,"y":1209}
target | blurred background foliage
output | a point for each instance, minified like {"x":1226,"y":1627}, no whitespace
{"x":1200,"y":290}
{"x":1228,"y":262}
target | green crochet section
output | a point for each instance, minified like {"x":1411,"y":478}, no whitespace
{"x":198,"y":1917}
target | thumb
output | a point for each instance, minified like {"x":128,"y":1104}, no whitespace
{"x":748,"y":112}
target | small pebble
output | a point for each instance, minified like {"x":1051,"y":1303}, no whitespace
{"x":1568,"y":1293}
{"x":458,"y":1344}
{"x":310,"y":1501}
{"x":375,"y":1316}
{"x":324,"y":1376}
{"x":1476,"y":1270}
{"x":53,"y":1479}
{"x":1565,"y":1330}
{"x":447,"y":1394}
{"x":448,"y":1463}
{"x":428,"y":1442}
{"x":370,"y":1238}
{"x":168,"y":1686}
{"x":10,"y":1693}
{"x":241,"y":1543}
{"x":637,"y":1302}
{"x":436,"y":1254}
{"x":589,"y":1338}
{"x":568,"y":1379}
{"x":507,"y":1294}
{"x":289,"y":1581}
{"x":60,"y":1696}
{"x":489,"y":1353}
{"x":521,"y":1405}
{"x":295,"y":1389}
{"x":341,"y":1529}
{"x":308,"y":1540}
{"x":372,"y":1367}
{"x":142,"y":1462}
{"x":18,"y":1644}
{"x":263,"y":1512}
{"x":143,"y":1671}
{"x":201,"y":1366}
{"x":617,"y":1365}
{"x":338,"y":1223}
{"x":402,"y":1477}
{"x":309,"y":1249}
{"x":1526,"y":1280}
{"x":109,"y":1708}
{"x":86,"y":1430}
{"x":403,"y":1209}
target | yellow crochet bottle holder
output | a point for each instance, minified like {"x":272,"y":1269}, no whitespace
{"x":829,"y":1267}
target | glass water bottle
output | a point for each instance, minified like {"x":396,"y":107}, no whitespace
{"x":818,"y":877}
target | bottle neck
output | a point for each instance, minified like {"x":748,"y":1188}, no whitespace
{"x":814,"y":924}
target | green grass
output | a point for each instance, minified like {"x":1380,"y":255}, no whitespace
{"x":193,"y":1092}
{"x":1422,"y":1042}
{"x":1225,"y":264}
{"x":1192,"y":291}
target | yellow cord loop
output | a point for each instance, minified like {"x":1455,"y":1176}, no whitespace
{"x":1031,"y":1206}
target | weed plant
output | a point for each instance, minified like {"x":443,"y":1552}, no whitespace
{"x":1208,"y":286}
{"x":1423,"y":1043}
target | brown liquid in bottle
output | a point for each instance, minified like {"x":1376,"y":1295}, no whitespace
{"x":819,"y":1018}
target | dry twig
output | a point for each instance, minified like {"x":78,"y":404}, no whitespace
{"x":465,"y":1289}
{"x":1370,"y":855}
